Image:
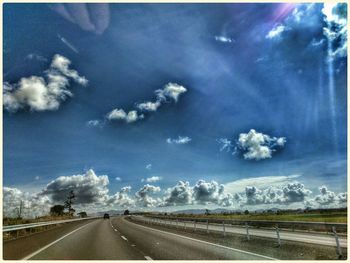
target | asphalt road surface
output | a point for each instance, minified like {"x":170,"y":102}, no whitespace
{"x":120,"y":239}
{"x":312,"y":238}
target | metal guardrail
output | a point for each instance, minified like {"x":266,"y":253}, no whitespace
{"x":40,"y":224}
{"x":293,"y":225}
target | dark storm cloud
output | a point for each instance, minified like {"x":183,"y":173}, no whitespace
{"x":88,"y":188}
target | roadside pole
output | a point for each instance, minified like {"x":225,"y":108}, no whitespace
{"x":247,"y":229}
{"x":207,"y":226}
{"x":339,"y":252}
{"x":194,"y":223}
{"x":224,"y":229}
{"x":278,"y":236}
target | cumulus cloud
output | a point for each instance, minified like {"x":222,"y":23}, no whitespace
{"x":170,"y":90}
{"x":258,"y":146}
{"x":149,"y":166}
{"x":39,"y":93}
{"x":149,"y":106}
{"x":32,"y":205}
{"x":335,"y":16}
{"x":118,"y":179}
{"x":207,"y":192}
{"x":179,"y":140}
{"x":180,"y":194}
{"x":253,"y":145}
{"x":275,"y":33}
{"x":120,"y":114}
{"x":88,"y":188}
{"x":122,"y":198}
{"x":152,"y":179}
{"x":62,"y":64}
{"x":143,"y":197}
{"x":328,"y":198}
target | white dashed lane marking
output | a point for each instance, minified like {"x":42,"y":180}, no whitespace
{"x":148,"y":258}
{"x":115,"y":230}
{"x":123,"y":237}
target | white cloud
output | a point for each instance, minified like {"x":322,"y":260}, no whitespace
{"x":118,"y":179}
{"x":94,"y":123}
{"x":258,"y":146}
{"x":275,"y":33}
{"x":88,"y":188}
{"x":180,"y":194}
{"x":152,"y":179}
{"x":143,"y":197}
{"x":37,"y":177}
{"x":120,"y":114}
{"x":170,"y":90}
{"x":62,"y":64}
{"x":336,"y":30}
{"x":39,"y":94}
{"x":33,"y":56}
{"x":122,"y":198}
{"x":32,"y":205}
{"x":224,"y":39}
{"x":225,"y":144}
{"x":149,"y":166}
{"x":179,"y":140}
{"x":207,"y":192}
{"x":149,"y":106}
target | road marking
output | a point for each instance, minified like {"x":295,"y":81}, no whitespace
{"x":115,"y":230}
{"x":54,"y":242}
{"x":133,"y":245}
{"x":208,"y":243}
{"x":148,"y":258}
{"x":123,"y":237}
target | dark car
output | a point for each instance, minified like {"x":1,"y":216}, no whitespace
{"x":106,"y":216}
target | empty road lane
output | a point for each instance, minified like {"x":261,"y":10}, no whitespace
{"x":95,"y":240}
{"x":163,"y":245}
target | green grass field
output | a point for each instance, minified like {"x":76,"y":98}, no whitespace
{"x":339,"y":217}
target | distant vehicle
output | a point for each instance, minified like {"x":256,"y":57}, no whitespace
{"x":106,"y":216}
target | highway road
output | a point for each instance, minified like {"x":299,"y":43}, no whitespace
{"x":312,"y":238}
{"x":121,"y":239}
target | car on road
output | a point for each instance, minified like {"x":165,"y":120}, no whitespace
{"x":106,"y":216}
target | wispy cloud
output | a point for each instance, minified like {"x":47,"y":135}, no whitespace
{"x":152,"y":179}
{"x":179,"y":140}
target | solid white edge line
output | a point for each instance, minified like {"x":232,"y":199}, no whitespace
{"x":123,"y":237}
{"x":208,"y":243}
{"x":148,"y":258}
{"x":54,"y":242}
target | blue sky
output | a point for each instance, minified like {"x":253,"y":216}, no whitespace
{"x":267,"y":79}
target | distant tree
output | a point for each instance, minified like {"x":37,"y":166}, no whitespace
{"x":69,"y":202}
{"x":246,"y":212}
{"x":207,"y":212}
{"x":57,"y":210}
{"x":19,"y":210}
{"x":82,"y":214}
{"x":126,"y":212}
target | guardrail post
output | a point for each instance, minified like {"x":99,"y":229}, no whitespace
{"x":278,"y":236}
{"x":195,"y":225}
{"x":339,"y":252}
{"x":223,"y":227}
{"x":207,"y":226}
{"x":247,"y":229}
